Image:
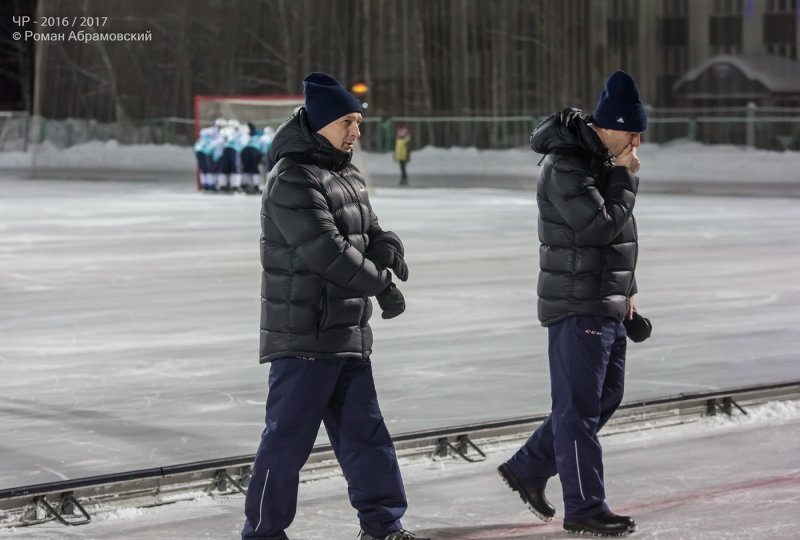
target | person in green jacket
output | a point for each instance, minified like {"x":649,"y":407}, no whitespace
{"x":402,"y":152}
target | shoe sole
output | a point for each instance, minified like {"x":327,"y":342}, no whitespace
{"x":579,"y":530}
{"x":511,"y":483}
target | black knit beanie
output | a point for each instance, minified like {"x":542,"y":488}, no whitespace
{"x":620,"y":107}
{"x":327,"y":100}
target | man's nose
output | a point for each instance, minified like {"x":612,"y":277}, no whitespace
{"x":636,"y":141}
{"x":355,"y":131}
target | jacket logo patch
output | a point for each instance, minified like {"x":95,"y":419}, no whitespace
{"x":620,"y":120}
{"x":593,"y":332}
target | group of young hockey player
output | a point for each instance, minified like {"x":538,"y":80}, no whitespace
{"x":229,"y":156}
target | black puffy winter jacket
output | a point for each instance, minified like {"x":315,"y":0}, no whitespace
{"x":587,"y":232}
{"x":316,"y":223}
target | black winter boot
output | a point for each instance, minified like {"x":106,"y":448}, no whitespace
{"x":401,"y":534}
{"x":604,"y":524}
{"x":281,"y":536}
{"x":534,"y":497}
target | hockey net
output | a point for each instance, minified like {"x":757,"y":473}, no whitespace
{"x":261,"y":111}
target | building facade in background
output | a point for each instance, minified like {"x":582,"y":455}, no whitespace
{"x":661,"y":40}
{"x":450,"y":58}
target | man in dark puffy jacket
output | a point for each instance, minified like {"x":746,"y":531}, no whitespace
{"x":586,"y":192}
{"x":323,"y":255}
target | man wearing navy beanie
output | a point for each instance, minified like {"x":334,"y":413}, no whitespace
{"x":620,"y":108}
{"x":326,"y":100}
{"x":323,"y":255}
{"x":588,"y":253}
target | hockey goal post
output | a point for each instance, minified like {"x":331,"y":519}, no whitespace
{"x":262,"y":111}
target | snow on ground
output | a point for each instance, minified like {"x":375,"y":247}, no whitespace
{"x":680,"y":159}
{"x":103,"y":155}
{"x":677,"y":160}
{"x":718,"y":478}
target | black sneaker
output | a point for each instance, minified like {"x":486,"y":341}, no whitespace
{"x":534,"y":497}
{"x":401,"y":534}
{"x":604,"y":524}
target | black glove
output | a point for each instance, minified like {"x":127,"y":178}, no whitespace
{"x":391,"y":301}
{"x":386,"y":250}
{"x":639,"y":328}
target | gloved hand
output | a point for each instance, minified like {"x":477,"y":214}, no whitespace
{"x":391,"y":301}
{"x":639,"y":328}
{"x":387,"y":251}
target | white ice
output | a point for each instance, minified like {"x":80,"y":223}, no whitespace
{"x":130,"y":316}
{"x":129,"y":332}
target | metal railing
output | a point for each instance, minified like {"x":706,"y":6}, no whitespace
{"x":774,"y":129}
{"x":767,"y":128}
{"x":30,"y":505}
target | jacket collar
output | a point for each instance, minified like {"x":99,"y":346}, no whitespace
{"x":568,"y":131}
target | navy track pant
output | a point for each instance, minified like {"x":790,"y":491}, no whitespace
{"x":341,"y":394}
{"x":251,"y":158}
{"x":204,"y":162}
{"x":229,"y":161}
{"x":587,"y":379}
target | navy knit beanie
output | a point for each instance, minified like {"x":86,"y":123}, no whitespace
{"x":620,"y":107}
{"x":327,"y":100}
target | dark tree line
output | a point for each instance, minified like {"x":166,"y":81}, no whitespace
{"x":418,"y":57}
{"x":16,"y":58}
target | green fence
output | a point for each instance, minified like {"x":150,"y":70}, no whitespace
{"x":768,"y":132}
{"x":446,"y":131}
{"x":64,"y":133}
{"x":776,"y":129}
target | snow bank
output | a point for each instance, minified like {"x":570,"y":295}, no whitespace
{"x":683,"y":160}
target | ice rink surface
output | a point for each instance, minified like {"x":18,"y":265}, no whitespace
{"x":129,"y":322}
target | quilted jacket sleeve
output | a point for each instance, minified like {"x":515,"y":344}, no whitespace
{"x":298,"y":208}
{"x":597,"y":218}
